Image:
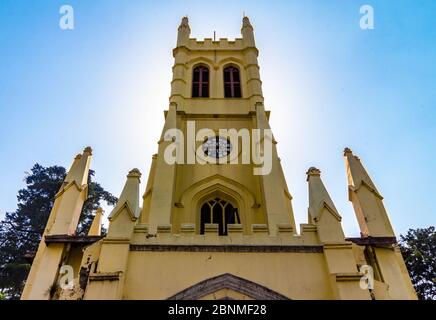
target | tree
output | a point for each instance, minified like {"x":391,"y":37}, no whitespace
{"x":21,"y":230}
{"x":419,"y":251}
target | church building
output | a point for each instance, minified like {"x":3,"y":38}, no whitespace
{"x":209,"y":226}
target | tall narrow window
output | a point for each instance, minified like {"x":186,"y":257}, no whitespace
{"x":232,"y":83}
{"x":220,"y":212}
{"x":200,"y":82}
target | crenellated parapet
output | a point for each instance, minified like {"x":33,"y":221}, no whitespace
{"x":208,"y":44}
{"x":259,"y":234}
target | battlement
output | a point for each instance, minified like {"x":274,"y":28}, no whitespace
{"x":259,"y":235}
{"x":185,"y":41}
{"x":221,"y":44}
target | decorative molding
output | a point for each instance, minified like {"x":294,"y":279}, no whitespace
{"x":368,"y":186}
{"x":105,"y":276}
{"x":227,"y":248}
{"x":259,"y":228}
{"x":211,"y":228}
{"x":64,"y":238}
{"x":325,"y":205}
{"x":119,"y":208}
{"x":141,"y":228}
{"x":69,"y":185}
{"x":339,"y":245}
{"x":116,"y":240}
{"x":178,"y":79}
{"x":187,"y":228}
{"x":287,"y":194}
{"x":164,"y":228}
{"x":218,"y":181}
{"x":365,"y":241}
{"x":228,"y":281}
{"x":307,"y":227}
{"x":285,"y":228}
{"x":234,"y":228}
{"x":352,"y":276}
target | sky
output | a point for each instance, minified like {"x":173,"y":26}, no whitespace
{"x":328,"y":83}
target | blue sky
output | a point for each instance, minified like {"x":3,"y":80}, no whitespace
{"x":328,"y":85}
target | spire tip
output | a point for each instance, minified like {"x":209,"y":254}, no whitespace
{"x":88,"y":150}
{"x":185,"y":20}
{"x":347,"y":151}
{"x":134,"y":173}
{"x":312,"y":171}
{"x":246,"y":21}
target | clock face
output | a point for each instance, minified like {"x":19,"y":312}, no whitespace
{"x":217,"y":147}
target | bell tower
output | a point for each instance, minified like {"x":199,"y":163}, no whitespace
{"x":216,"y":85}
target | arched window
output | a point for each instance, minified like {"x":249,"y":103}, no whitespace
{"x":232,"y":82}
{"x":221,"y":212}
{"x":200,"y":82}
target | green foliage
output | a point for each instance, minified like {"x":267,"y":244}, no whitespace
{"x":419,"y":251}
{"x":21,"y":230}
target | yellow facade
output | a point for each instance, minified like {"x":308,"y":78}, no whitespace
{"x":167,"y":249}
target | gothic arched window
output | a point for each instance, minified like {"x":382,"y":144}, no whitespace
{"x":200,"y":82}
{"x":221,"y":212}
{"x":232,"y":82}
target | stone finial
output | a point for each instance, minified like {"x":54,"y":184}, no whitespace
{"x":347,"y":151}
{"x":80,"y":168}
{"x":246,"y":22}
{"x":247,"y":33}
{"x":312,"y":171}
{"x":134,"y":173}
{"x":184,"y":23}
{"x":88,"y":150}
{"x":184,"y":32}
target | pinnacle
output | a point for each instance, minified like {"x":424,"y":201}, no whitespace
{"x":88,"y":150}
{"x":135,"y":173}
{"x":312,"y":171}
{"x":347,"y":151}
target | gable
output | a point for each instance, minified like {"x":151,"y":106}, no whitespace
{"x":227,"y":286}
